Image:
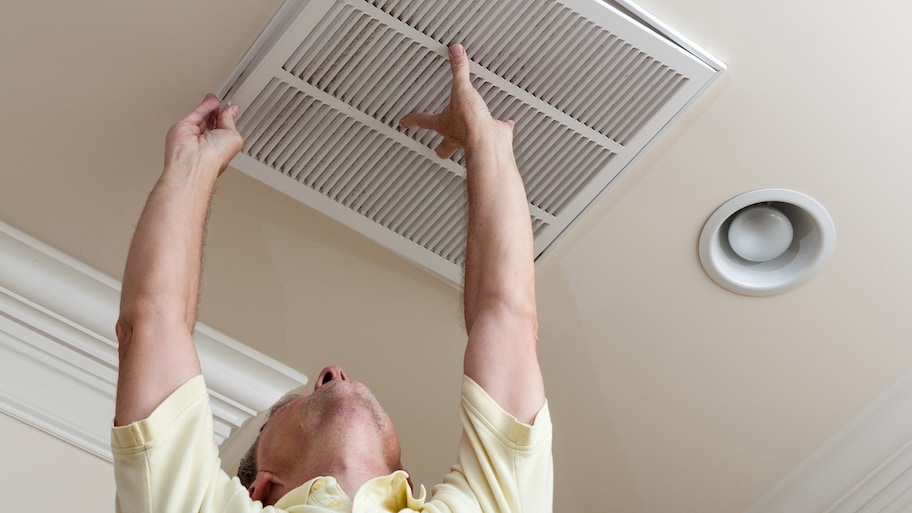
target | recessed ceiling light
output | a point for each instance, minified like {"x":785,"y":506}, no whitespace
{"x":766,"y":242}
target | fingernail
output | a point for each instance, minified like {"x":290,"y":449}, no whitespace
{"x":456,"y":50}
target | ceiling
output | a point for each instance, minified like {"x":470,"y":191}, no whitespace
{"x":668,"y":392}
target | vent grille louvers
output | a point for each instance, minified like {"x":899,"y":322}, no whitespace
{"x":588,"y":88}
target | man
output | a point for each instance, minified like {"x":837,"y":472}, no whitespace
{"x":335,"y":449}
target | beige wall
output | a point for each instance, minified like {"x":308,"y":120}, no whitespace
{"x":39,"y":469}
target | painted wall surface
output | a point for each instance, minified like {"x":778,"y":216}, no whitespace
{"x":42,"y":473}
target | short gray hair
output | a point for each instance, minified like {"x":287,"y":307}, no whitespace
{"x":247,"y":470}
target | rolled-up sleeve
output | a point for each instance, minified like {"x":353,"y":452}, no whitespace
{"x":169,"y":462}
{"x":503,"y":465}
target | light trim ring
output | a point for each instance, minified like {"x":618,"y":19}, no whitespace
{"x":812,"y":244}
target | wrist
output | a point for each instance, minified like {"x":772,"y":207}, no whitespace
{"x":496,"y":141}
{"x":190,"y":172}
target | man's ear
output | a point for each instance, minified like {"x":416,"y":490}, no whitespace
{"x":261,"y":486}
{"x":408,"y":476}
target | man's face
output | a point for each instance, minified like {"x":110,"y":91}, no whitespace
{"x":340,"y":420}
{"x":335,"y":399}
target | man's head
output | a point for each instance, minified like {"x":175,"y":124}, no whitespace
{"x":339,"y":430}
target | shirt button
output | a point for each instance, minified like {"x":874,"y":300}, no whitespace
{"x":334,"y":504}
{"x":319,"y":484}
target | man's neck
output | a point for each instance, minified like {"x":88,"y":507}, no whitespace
{"x":351,"y":481}
{"x":350,"y":470}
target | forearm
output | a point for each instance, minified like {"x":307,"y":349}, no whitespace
{"x":499,"y":248}
{"x":163,"y":266}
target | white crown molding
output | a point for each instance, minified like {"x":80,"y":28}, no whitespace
{"x":58,"y":355}
{"x":866,"y":467}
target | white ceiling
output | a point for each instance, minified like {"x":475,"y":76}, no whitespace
{"x":669,"y":393}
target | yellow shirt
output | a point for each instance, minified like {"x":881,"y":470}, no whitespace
{"x":169,"y":463}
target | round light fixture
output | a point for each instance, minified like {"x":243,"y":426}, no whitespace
{"x":766,"y":242}
{"x":760,"y":233}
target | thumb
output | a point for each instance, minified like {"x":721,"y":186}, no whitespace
{"x":227,"y":116}
{"x":448,"y":147}
{"x":459,"y":63}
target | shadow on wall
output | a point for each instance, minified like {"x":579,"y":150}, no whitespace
{"x":574,"y":392}
{"x":265,"y":248}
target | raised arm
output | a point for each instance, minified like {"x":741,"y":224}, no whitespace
{"x":161,"y":280}
{"x":499,"y":297}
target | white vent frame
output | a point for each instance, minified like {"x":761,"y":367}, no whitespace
{"x":573,"y":139}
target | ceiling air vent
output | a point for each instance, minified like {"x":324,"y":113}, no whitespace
{"x":590,"y":86}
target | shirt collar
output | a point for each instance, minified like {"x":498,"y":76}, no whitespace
{"x":390,"y":493}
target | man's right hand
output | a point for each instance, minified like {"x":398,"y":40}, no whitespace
{"x":205,"y":139}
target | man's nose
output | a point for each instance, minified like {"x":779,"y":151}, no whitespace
{"x":331,"y":373}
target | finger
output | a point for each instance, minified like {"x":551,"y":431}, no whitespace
{"x":421,"y":120}
{"x":200,"y":115}
{"x":459,"y":64}
{"x":511,"y":123}
{"x":447,"y":147}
